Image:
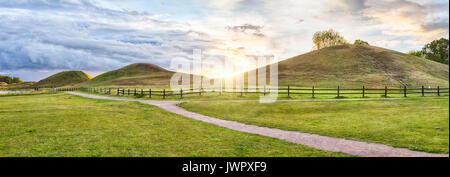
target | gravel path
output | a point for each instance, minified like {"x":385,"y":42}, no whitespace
{"x":312,"y":140}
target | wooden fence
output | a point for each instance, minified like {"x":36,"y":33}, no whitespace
{"x":363,"y":91}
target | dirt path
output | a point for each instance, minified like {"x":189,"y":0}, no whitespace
{"x":312,"y":140}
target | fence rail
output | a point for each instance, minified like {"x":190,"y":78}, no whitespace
{"x":363,"y":91}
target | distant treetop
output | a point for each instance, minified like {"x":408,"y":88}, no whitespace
{"x":9,"y":80}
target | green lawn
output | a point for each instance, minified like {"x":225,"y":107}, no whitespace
{"x":416,"y":123}
{"x":67,"y":125}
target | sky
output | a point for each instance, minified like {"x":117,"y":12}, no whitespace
{"x":41,"y":37}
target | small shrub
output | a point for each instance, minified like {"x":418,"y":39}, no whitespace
{"x":139,"y":95}
{"x":360,"y":42}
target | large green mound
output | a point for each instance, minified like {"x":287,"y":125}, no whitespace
{"x":61,"y":79}
{"x":139,"y":74}
{"x":355,"y":66}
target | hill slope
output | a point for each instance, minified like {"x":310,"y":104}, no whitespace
{"x":139,"y":74}
{"x":65,"y":78}
{"x":355,"y":66}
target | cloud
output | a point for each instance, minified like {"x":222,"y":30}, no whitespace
{"x":63,"y":35}
{"x":408,"y":18}
{"x":248,"y":29}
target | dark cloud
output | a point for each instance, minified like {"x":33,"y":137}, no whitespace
{"x":45,"y":35}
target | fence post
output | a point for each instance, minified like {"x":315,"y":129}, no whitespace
{"x":364,"y":91}
{"x":313,"y":91}
{"x":338,"y":91}
{"x":385,"y":91}
{"x":118,"y":93}
{"x":164,"y":94}
{"x":438,"y":91}
{"x":289,"y":88}
{"x":109,"y":91}
{"x":142,"y":91}
{"x":181,"y":93}
{"x":423,"y":93}
{"x":135,"y":92}
{"x":150,"y":93}
{"x":404,"y":91}
{"x":128,"y":92}
{"x":264,"y":90}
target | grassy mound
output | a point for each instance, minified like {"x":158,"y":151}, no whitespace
{"x":65,"y":78}
{"x":139,"y":74}
{"x":354,"y":66}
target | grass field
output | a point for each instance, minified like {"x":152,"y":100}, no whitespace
{"x":67,"y":125}
{"x":416,"y":123}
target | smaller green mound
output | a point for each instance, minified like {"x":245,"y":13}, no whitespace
{"x":138,"y":74}
{"x":65,"y":78}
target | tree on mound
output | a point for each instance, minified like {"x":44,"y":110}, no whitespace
{"x":328,"y":38}
{"x":360,"y":42}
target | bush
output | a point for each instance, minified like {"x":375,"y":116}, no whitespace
{"x":360,"y":42}
{"x":6,"y":79}
{"x":16,"y":80}
{"x":139,"y":95}
{"x":416,"y":53}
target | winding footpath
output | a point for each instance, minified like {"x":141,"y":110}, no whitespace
{"x":312,"y":140}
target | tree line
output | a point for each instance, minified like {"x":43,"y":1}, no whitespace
{"x":10,"y":80}
{"x":436,"y":50}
